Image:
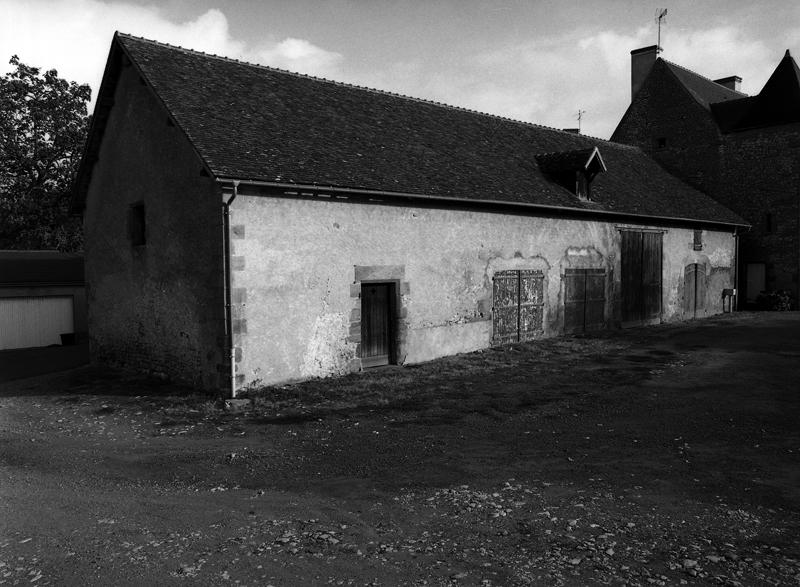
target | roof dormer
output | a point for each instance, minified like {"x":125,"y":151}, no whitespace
{"x":573,"y":170}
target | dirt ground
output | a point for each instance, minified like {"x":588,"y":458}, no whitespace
{"x":654,"y":456}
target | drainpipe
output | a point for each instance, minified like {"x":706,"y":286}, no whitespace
{"x":735,"y":305}
{"x":226,"y":246}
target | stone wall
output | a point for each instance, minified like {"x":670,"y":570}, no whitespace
{"x":156,"y":307}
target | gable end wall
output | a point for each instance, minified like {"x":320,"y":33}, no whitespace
{"x":159,"y":307}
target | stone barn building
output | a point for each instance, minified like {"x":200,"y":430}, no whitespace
{"x":744,"y":151}
{"x":248,"y":225}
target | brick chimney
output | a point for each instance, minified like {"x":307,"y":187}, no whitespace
{"x":732,"y":82}
{"x":642,"y":61}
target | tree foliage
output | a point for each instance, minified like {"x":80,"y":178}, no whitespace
{"x":43,"y":124}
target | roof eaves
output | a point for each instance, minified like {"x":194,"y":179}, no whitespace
{"x":311,"y":188}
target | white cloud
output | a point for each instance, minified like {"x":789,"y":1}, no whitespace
{"x":73,"y":36}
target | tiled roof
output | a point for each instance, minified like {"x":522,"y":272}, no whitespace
{"x":779,"y":99}
{"x":252,"y":122}
{"x":777,"y":103}
{"x":704,"y":90}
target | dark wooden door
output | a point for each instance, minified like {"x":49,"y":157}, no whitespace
{"x":518,"y":305}
{"x":641,"y":275}
{"x":694,"y":290}
{"x":376,"y":324}
{"x":584,"y":299}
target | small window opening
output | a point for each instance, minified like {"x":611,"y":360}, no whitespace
{"x":697,"y":244}
{"x":769,"y":223}
{"x":661,"y":142}
{"x":136,"y":221}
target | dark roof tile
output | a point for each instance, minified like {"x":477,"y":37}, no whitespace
{"x":252,"y":122}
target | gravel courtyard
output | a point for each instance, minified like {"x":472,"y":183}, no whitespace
{"x":654,"y":456}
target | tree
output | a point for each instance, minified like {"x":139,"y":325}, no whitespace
{"x":43,"y":124}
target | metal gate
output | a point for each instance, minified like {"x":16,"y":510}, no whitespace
{"x":584,"y":299}
{"x":518,"y":305}
{"x":694,"y":290}
{"x":641,"y":275}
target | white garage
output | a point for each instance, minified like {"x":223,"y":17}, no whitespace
{"x":42,"y":296}
{"x":35,"y":321}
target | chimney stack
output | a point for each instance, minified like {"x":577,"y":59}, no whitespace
{"x":642,"y":61}
{"x":732,"y":82}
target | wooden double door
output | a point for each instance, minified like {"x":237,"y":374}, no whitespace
{"x":584,"y":299}
{"x":694,"y":290}
{"x":518,"y":305}
{"x":641,"y":253}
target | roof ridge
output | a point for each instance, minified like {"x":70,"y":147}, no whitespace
{"x":700,"y":75}
{"x":356,"y":86}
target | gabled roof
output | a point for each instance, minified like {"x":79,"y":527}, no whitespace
{"x":588,"y":160}
{"x":702,"y":89}
{"x":251,"y":122}
{"x":777,"y":103}
{"x":779,"y":99}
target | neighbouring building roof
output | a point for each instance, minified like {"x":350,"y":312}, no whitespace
{"x":703,"y":89}
{"x":32,"y":268}
{"x":251,"y":122}
{"x":777,"y":103}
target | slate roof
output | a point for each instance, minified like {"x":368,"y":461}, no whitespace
{"x":31,"y":268}
{"x":777,"y":103}
{"x":703,"y":89}
{"x":251,"y":122}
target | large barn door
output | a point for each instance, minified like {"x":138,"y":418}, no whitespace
{"x":584,"y":299}
{"x":641,"y":275}
{"x":376,"y":324}
{"x":518,"y":305}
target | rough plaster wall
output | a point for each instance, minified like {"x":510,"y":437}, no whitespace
{"x":717,"y":256}
{"x":297,"y":262}
{"x":157,"y":307}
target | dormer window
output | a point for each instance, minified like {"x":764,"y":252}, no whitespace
{"x":573,"y":170}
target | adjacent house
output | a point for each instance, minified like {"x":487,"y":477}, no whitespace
{"x":744,"y":151}
{"x":249,"y":225}
{"x":42,"y":298}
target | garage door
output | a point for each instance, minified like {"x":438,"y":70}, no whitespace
{"x":34,"y":321}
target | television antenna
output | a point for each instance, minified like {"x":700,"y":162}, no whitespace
{"x":661,"y":15}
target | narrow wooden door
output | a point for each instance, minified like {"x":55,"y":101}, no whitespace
{"x":694,"y":290}
{"x":376,"y":324}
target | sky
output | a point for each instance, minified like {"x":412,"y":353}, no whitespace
{"x":539,"y":61}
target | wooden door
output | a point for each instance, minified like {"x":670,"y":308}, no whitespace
{"x":584,"y":299}
{"x":694,"y":290}
{"x":531,"y":303}
{"x":518,"y":305}
{"x":376,"y":324}
{"x":641,"y":275}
